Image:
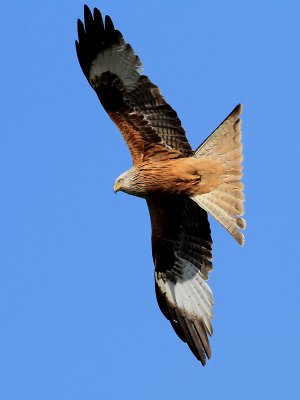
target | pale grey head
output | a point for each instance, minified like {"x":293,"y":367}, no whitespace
{"x":131,"y":182}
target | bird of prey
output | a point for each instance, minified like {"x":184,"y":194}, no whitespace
{"x":179,"y":185}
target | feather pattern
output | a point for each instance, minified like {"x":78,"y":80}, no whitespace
{"x":149,"y":125}
{"x":225,"y":202}
{"x":181,"y":247}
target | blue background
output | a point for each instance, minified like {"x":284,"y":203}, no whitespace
{"x":78,"y":313}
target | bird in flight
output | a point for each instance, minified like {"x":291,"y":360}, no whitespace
{"x":179,"y":185}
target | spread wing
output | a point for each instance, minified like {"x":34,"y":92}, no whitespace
{"x":182,"y":251}
{"x":150,"y":127}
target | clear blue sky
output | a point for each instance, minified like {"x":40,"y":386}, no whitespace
{"x":79,"y":318}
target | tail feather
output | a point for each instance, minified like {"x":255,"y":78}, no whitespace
{"x":232,"y":207}
{"x":226,"y":139}
{"x":227,"y":198}
{"x":225,"y":202}
{"x":230,"y":222}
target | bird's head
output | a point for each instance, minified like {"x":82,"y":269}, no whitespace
{"x":130,"y":182}
{"x":120,"y":183}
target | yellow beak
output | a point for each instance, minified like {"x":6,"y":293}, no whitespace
{"x":116,"y":187}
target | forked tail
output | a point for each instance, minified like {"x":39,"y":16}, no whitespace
{"x":225,"y":202}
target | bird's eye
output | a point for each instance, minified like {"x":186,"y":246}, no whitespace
{"x":121,"y":180}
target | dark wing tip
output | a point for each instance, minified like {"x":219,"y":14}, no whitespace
{"x":90,"y":38}
{"x":93,"y":36}
{"x":109,"y":26}
{"x":86,"y":8}
{"x":87,"y":12}
{"x":98,"y":21}
{"x":80,"y":30}
{"x":111,"y":35}
{"x":191,"y":336}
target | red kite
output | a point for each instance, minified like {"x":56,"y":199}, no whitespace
{"x":180,"y":185}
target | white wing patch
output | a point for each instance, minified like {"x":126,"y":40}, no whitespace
{"x":189,"y":293}
{"x":121,"y":60}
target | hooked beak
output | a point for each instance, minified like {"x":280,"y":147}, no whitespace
{"x":116,"y":187}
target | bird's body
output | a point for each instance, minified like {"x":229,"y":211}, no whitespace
{"x":180,"y":185}
{"x":175,"y":177}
